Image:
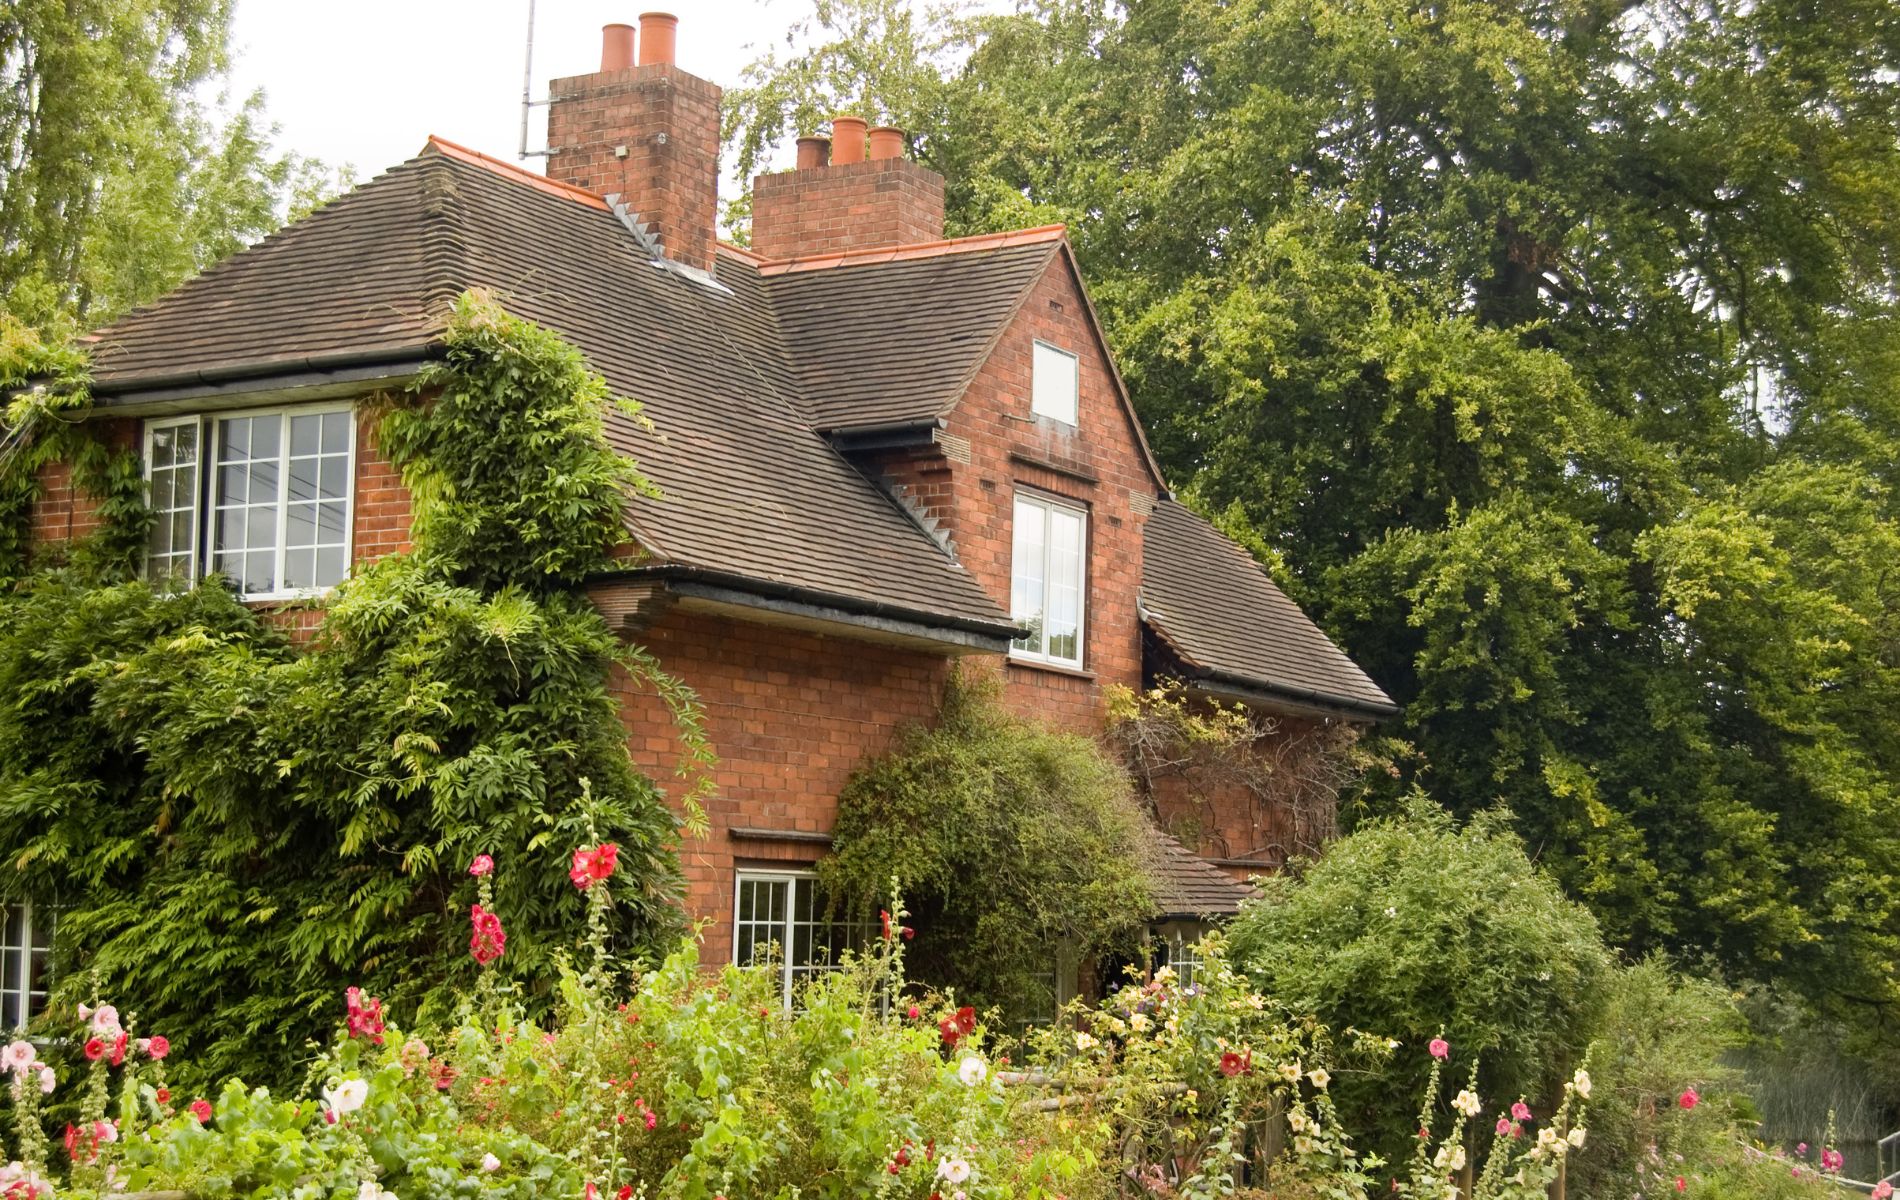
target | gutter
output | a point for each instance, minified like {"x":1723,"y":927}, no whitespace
{"x":888,"y":436}
{"x":773,"y":589}
{"x":1243,"y":686}
{"x":279,"y":373}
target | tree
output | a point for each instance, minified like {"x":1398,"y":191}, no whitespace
{"x":1551,"y":347}
{"x":116,"y":180}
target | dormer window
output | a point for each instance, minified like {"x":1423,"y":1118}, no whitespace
{"x":1048,"y":579}
{"x":1053,"y":386}
{"x":261,"y":497}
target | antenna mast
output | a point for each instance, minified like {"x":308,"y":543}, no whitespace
{"x":527,"y":90}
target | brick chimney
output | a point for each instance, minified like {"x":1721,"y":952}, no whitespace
{"x":645,"y":132}
{"x":839,"y":199}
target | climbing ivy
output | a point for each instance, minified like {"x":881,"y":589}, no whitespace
{"x":230,"y":824}
{"x":1010,"y":841}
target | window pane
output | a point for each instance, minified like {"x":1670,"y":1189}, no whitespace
{"x":1027,"y":568}
{"x":304,"y":435}
{"x":1053,"y":384}
{"x":300,"y":568}
{"x":172,"y":472}
{"x":303,"y":479}
{"x":336,"y":433}
{"x":329,"y":567}
{"x":1065,"y":584}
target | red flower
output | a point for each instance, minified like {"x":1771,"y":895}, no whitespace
{"x":949,"y":1030}
{"x":201,"y":1109}
{"x":163,"y":1096}
{"x":488,"y":940}
{"x":95,"y":1050}
{"x":885,"y":919}
{"x":72,"y":1139}
{"x":156,"y":1047}
{"x":1232,"y":1064}
{"x":118,"y":1049}
{"x":966,"y":1019}
{"x":1688,"y":1099}
{"x":914,"y":1012}
{"x":365,"y":1017}
{"x":625,"y":1192}
{"x":482,"y":865}
{"x":593,"y":866}
{"x":908,"y":932}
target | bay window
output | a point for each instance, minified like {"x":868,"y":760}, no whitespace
{"x":261,"y":497}
{"x":784,"y":917}
{"x":1048,"y":579}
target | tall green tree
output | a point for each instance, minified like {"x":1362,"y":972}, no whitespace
{"x":117,"y":179}
{"x":1551,"y":345}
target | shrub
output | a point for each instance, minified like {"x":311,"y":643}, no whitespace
{"x":1010,"y":839}
{"x":1413,"y":928}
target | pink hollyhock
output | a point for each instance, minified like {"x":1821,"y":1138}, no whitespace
{"x":1882,"y":1190}
{"x":201,"y":1110}
{"x":1231,"y":1064}
{"x":593,"y":866}
{"x":1832,"y":1160}
{"x":482,"y":865}
{"x":1439,"y":1047}
{"x":157,"y":1046}
{"x":1520,"y":1111}
{"x":118,"y":1049}
{"x":1802,"y":1149}
{"x":95,"y":1049}
{"x":1689,"y":1099}
{"x":487,"y":941}
{"x":365,"y":1015}
{"x":1504,"y":1126}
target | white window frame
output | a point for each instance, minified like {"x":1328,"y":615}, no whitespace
{"x":194,"y":564}
{"x":789,"y":971}
{"x":210,"y":482}
{"x":1050,"y":504}
{"x":1072,"y":417}
{"x":16,"y":1007}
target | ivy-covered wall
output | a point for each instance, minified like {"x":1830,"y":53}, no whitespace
{"x":229,"y":824}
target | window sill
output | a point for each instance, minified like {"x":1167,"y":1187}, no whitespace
{"x":1036,"y":664}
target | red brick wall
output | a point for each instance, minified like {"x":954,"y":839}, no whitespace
{"x":64,"y":513}
{"x":790,"y":714}
{"x":822,"y":210}
{"x":668,"y":123}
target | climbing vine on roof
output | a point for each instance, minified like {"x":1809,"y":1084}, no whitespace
{"x":230,"y":824}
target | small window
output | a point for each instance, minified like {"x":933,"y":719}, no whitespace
{"x":269,"y":508}
{"x":1053,"y":386}
{"x":784,"y":916}
{"x":1048,"y":578}
{"x":26,"y":953}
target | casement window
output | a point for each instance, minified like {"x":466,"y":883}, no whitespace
{"x":784,"y":917}
{"x":260,"y":497}
{"x":1053,"y":384}
{"x":1048,"y":579}
{"x":26,"y":952}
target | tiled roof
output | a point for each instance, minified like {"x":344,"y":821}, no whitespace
{"x":748,"y":488}
{"x":1215,"y":608}
{"x":1187,"y":885}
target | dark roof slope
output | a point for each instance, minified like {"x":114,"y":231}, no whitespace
{"x":1214,"y":606}
{"x":941,"y":313}
{"x":748,"y":489}
{"x":1187,"y":885}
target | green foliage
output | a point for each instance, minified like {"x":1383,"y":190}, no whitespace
{"x":116,"y":179}
{"x":230,"y":824}
{"x":1013,"y":840}
{"x":1414,"y":929}
{"x":1550,"y":351}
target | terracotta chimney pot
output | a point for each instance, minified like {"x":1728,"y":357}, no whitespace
{"x":659,"y":33}
{"x":847,"y":140}
{"x":616,"y":47}
{"x":813,"y":152}
{"x":887,"y":141}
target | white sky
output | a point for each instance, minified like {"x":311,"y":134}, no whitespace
{"x":365,"y":82}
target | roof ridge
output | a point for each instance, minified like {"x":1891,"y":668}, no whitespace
{"x":902,"y":251}
{"x":510,"y":171}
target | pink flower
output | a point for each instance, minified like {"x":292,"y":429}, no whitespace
{"x":200,"y":1109}
{"x":105,"y":1131}
{"x":914,"y":1012}
{"x":48,"y":1080}
{"x":1439,"y":1047}
{"x":1689,"y":1099}
{"x":1504,"y":1126}
{"x":18,"y":1056}
{"x":482,"y":865}
{"x":1682,"y":1185}
{"x":118,"y":1049}
{"x":488,"y":941}
{"x":593,"y":866}
{"x":652,"y":1119}
{"x":1882,"y":1190}
{"x":1802,"y":1149}
{"x":1520,"y":1111}
{"x":157,"y":1047}
{"x":365,"y":1015}
{"x":95,"y":1049}
{"x":1832,"y":1160}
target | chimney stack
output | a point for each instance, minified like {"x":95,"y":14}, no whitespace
{"x":849,"y":201}
{"x":643,"y":131}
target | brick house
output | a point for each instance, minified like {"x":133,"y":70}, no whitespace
{"x":879,"y":452}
